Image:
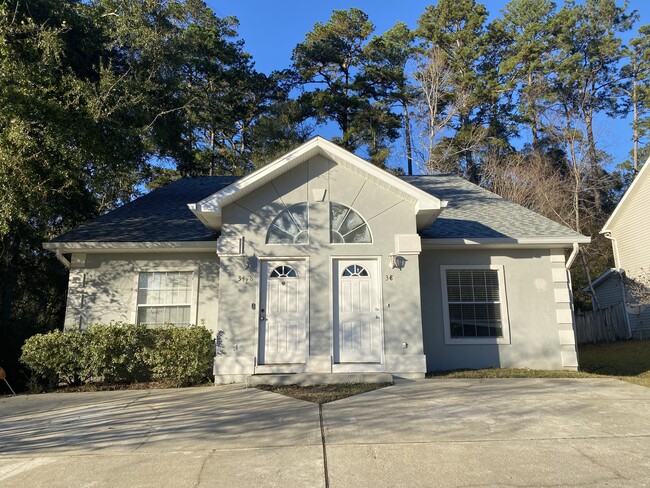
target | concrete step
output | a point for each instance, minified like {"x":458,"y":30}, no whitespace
{"x":307,"y":379}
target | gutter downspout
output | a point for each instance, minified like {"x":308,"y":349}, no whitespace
{"x":567,"y":266}
{"x":576,"y":249}
{"x":572,"y":256}
{"x":59,"y":255}
{"x":617,"y":259}
{"x":621,"y":274}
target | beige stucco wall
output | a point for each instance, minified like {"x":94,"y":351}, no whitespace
{"x":539,"y":311}
{"x":386,"y":213}
{"x":103,"y":287}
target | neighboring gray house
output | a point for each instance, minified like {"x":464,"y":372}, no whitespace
{"x":321,"y":262}
{"x":629,"y":230}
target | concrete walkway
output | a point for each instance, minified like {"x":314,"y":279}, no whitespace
{"x":419,"y":433}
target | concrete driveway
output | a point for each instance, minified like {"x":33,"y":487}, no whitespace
{"x":418,"y":433}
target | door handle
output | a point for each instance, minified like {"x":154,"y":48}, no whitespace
{"x":262,"y":315}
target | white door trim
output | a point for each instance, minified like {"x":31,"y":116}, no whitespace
{"x":262,"y":269}
{"x":335,"y":271}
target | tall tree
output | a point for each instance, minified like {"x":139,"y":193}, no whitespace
{"x":455,"y":32}
{"x":386,"y":58}
{"x":89,"y":92}
{"x":332,"y":57}
{"x":637,"y":75}
{"x":526,"y":30}
{"x":588,"y":73}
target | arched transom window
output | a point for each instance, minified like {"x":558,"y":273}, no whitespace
{"x":283,"y":272}
{"x":347,"y":226}
{"x":355,"y":270}
{"x":290,"y":226}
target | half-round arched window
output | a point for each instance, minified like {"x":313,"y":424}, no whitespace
{"x":355,"y":270}
{"x":283,"y":272}
{"x":347,"y":226}
{"x":290,"y":226}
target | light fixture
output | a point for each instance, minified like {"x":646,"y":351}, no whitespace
{"x":397,"y":261}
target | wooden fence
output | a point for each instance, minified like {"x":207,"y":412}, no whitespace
{"x":606,"y":325}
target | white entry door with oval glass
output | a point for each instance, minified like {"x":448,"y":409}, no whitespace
{"x":358,"y":334}
{"x":283,"y":312}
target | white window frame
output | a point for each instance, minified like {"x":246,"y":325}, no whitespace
{"x":505,"y":323}
{"x":365,"y":222}
{"x":195,"y":289}
{"x":286,"y":209}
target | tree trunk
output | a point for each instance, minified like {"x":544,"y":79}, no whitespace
{"x":212,"y":155}
{"x":635,"y":121}
{"x":407,"y":139}
{"x":8,"y":278}
{"x":472,"y":170}
{"x":533,"y":116}
{"x":596,"y":305}
{"x":594,"y":165}
{"x":576,"y":188}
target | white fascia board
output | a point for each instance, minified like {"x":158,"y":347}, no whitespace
{"x":212,"y":220}
{"x":117,"y":247}
{"x":246,"y":184}
{"x":424,"y":200}
{"x":427,"y":207}
{"x":607,"y":227}
{"x":504,"y":242}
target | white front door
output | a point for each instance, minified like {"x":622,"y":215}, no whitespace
{"x":358,"y":336}
{"x":283,"y":312}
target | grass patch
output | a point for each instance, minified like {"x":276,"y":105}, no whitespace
{"x":627,"y":360}
{"x":323,"y":393}
{"x":507,"y":373}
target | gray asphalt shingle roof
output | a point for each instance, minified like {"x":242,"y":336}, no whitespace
{"x":159,"y":216}
{"x":163,"y":215}
{"x":475,"y":213}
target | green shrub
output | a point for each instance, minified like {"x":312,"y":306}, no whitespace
{"x":56,"y":356}
{"x":181,"y":356}
{"x":121,"y":353}
{"x":116,"y":352}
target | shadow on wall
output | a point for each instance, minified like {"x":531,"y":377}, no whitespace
{"x":441,"y":356}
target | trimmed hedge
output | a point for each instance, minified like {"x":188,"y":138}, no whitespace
{"x":121,"y":353}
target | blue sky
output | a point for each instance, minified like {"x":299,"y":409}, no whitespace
{"x":271,"y":29}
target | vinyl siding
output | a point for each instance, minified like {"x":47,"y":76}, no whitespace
{"x":631,"y":230}
{"x":609,"y":292}
{"x":640,"y":324}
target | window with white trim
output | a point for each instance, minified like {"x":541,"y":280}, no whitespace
{"x":164,"y":297}
{"x":347,"y":226}
{"x":283,"y":272}
{"x":291,"y":226}
{"x":474,"y":305}
{"x":355,"y":270}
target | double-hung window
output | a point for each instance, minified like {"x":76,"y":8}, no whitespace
{"x":474,"y":305}
{"x":165,"y":298}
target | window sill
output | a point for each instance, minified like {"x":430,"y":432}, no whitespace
{"x":476,"y":341}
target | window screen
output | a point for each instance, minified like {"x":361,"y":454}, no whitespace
{"x":164,"y":298}
{"x":474,"y":303}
